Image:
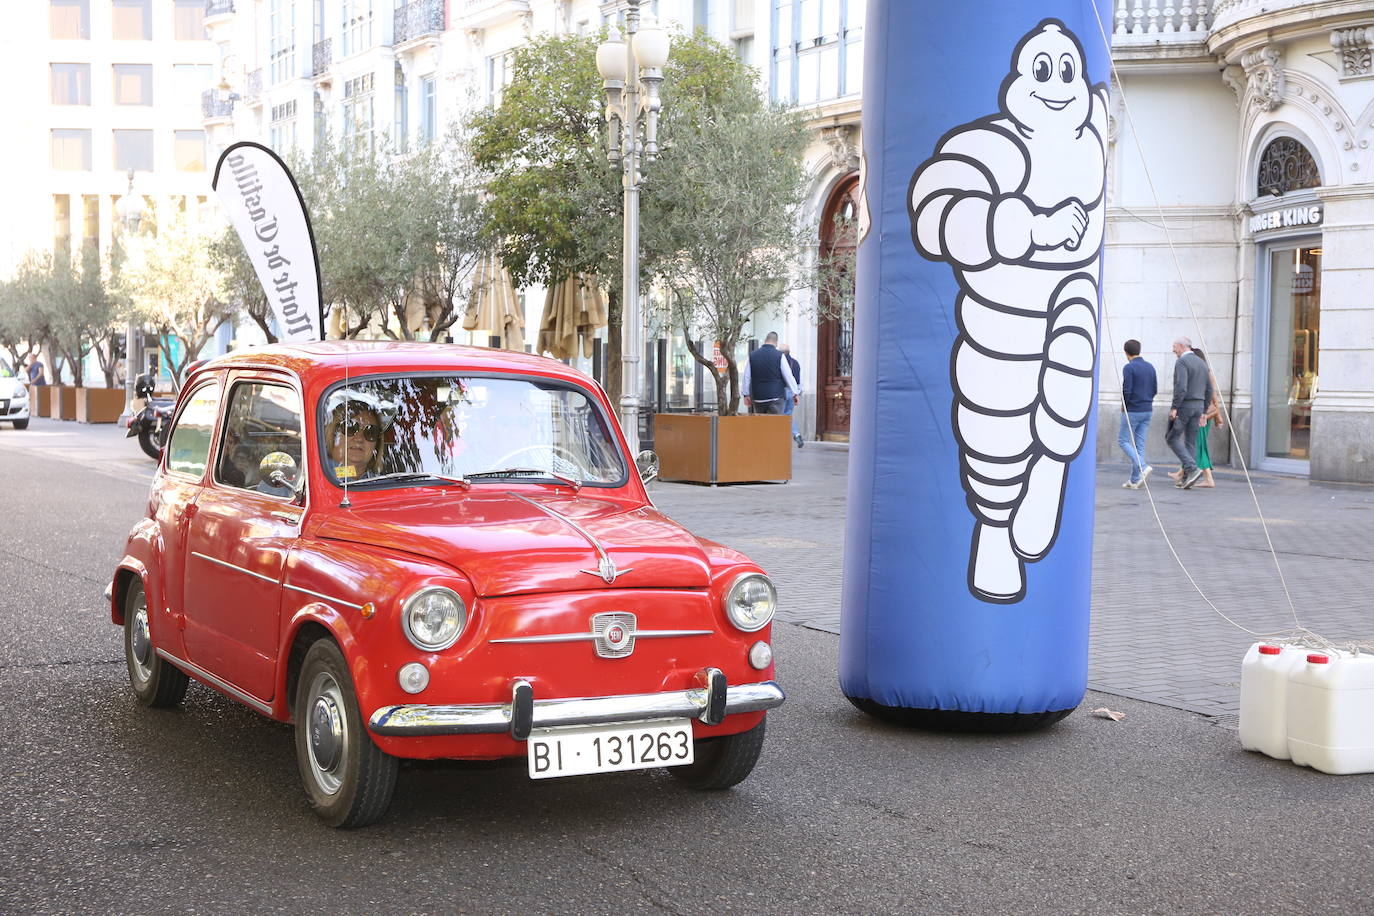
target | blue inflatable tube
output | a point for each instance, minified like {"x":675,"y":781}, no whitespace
{"x":968,"y":554}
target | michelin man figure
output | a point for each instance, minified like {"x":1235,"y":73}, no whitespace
{"x":1013,"y":202}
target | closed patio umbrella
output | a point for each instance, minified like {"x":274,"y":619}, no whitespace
{"x":573,"y":308}
{"x":494,"y":305}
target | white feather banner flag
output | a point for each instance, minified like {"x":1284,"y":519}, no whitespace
{"x":265,"y":207}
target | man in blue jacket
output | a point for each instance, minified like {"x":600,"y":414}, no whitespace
{"x":768,"y":378}
{"x":1139,"y":383}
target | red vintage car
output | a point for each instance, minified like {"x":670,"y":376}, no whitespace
{"x":434,"y":551}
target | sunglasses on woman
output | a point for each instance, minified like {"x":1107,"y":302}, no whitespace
{"x":351,"y":428}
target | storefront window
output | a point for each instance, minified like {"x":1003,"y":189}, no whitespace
{"x":1294,"y":326}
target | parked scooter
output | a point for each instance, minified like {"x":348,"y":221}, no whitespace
{"x":149,"y":417}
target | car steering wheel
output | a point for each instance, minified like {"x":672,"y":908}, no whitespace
{"x":556,"y":452}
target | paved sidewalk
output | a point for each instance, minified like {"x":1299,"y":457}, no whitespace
{"x":1153,"y":636}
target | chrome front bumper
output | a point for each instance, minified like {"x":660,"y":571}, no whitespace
{"x":710,"y":702}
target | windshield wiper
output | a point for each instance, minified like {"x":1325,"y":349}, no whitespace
{"x":523,"y":472}
{"x":411,"y":475}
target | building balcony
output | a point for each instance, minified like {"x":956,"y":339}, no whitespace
{"x":1242,"y":26}
{"x":252,"y":93}
{"x":483,"y":14}
{"x":213,"y":108}
{"x":1151,"y":32}
{"x":418,"y":19}
{"x":219,"y":8}
{"x":321,"y":57}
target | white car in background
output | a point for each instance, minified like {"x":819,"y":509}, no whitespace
{"x":14,"y":398}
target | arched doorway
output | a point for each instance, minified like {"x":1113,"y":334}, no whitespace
{"x":835,"y":304}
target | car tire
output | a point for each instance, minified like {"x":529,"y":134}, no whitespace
{"x":722,"y":762}
{"x":156,"y":681}
{"x":147,"y":440}
{"x":21,"y":424}
{"x":347,"y":778}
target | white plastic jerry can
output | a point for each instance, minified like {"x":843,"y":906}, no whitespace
{"x":1331,"y":712}
{"x":1264,"y":678}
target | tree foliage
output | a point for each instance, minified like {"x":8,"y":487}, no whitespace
{"x":721,"y":217}
{"x":556,"y":204}
{"x":171,"y":284}
{"x":398,"y":236}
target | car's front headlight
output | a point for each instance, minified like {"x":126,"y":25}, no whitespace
{"x":433,"y":618}
{"x":751,"y":601}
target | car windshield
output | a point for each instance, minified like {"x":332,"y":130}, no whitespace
{"x":5,"y":370}
{"x":409,"y":429}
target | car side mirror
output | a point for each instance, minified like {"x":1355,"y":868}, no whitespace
{"x":278,"y":469}
{"x":647,"y":462}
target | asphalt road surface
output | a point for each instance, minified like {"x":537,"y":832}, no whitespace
{"x":112,"y":808}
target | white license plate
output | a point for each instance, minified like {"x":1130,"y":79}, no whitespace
{"x":609,"y":748}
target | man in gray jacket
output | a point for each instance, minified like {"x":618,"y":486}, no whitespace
{"x":1192,"y":393}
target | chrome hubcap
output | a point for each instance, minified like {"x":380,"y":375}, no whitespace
{"x":328,"y":733}
{"x":141,"y":644}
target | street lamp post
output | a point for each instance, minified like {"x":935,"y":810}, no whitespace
{"x":632,"y":70}
{"x":130,"y":211}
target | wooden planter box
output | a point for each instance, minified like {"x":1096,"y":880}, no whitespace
{"x":65,"y":402}
{"x":44,"y":399}
{"x":710,"y":449}
{"x":99,"y":405}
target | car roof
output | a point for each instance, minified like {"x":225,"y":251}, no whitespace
{"x":329,"y":359}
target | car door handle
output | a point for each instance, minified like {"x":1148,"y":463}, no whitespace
{"x":291,"y":517}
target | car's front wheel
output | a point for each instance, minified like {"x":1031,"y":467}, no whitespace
{"x":347,"y":778}
{"x":156,"y":681}
{"x":723,"y":762}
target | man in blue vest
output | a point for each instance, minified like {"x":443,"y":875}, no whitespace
{"x":768,"y":378}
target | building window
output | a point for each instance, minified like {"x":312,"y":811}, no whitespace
{"x":357,"y":26}
{"x":1286,"y":165}
{"x":133,"y":84}
{"x":132,"y":20}
{"x":499,"y":72}
{"x":69,"y":19}
{"x":71,"y":84}
{"x":188,"y":150}
{"x":402,"y":100}
{"x":188,"y":20}
{"x":817,"y":50}
{"x":429,"y":114}
{"x":62,"y":223}
{"x":71,"y":149}
{"x":282,"y":130}
{"x":357,"y":115}
{"x":189,"y":80}
{"x":282,"y":22}
{"x":133,"y":149}
{"x":90,"y":221}
{"x":744,"y":50}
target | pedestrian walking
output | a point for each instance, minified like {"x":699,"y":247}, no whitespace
{"x":1139,"y":384}
{"x":1211,"y":419}
{"x":768,"y":378}
{"x":1192,"y":392}
{"x":789,"y":404}
{"x":37,"y":373}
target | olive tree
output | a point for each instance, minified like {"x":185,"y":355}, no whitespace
{"x":171,"y":284}
{"x":722,"y":210}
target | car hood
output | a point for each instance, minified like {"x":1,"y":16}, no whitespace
{"x":515,"y":543}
